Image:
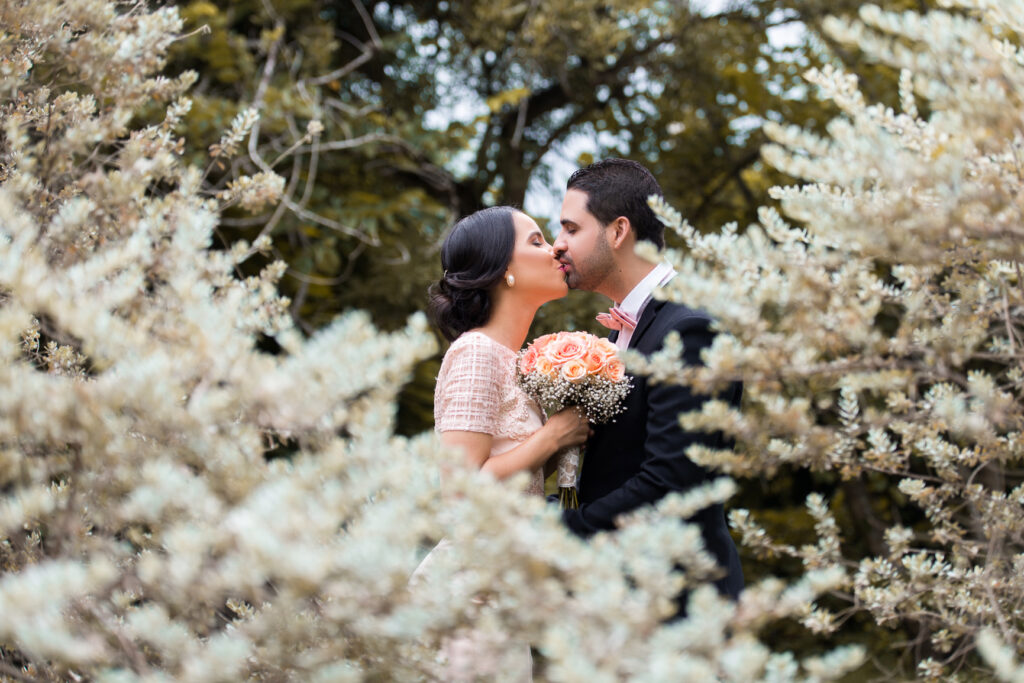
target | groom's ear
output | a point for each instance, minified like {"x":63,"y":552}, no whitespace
{"x":620,"y":231}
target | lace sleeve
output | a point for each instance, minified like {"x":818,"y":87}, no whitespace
{"x":468,"y":388}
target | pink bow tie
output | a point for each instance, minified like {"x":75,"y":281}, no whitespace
{"x":616,"y":319}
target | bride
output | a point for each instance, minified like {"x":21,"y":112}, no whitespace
{"x":498,"y":270}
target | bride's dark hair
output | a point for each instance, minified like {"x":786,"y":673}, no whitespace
{"x":474,"y":256}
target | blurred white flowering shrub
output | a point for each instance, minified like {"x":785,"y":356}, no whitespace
{"x":885,"y":334}
{"x":178,"y":503}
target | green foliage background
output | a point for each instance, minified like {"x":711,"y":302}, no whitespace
{"x":679,"y":90}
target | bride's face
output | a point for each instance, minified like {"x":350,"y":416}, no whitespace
{"x":537,"y":273}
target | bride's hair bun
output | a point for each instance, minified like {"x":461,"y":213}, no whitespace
{"x":474,"y":256}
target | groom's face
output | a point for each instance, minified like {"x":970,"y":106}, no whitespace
{"x":582,"y":245}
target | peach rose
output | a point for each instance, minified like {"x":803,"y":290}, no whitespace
{"x":542,"y":341}
{"x":615,"y":370}
{"x":564,"y":348}
{"x":607,"y":347}
{"x":544,"y":366}
{"x":574,"y":370}
{"x":528,"y":361}
{"x":595,"y":360}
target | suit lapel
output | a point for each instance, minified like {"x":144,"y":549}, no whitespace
{"x":613,"y":335}
{"x":649,"y":314}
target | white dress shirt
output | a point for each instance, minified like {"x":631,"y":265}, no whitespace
{"x":636,"y":301}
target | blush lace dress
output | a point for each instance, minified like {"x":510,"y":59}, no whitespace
{"x":477,"y":392}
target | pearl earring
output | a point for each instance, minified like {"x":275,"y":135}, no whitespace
{"x":510,"y":280}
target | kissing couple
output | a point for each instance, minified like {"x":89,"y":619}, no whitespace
{"x":498,"y":270}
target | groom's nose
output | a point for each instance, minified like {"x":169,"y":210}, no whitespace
{"x":558,"y":246}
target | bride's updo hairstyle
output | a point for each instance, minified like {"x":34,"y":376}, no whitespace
{"x":474,"y":256}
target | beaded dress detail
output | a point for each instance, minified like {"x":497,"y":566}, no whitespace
{"x":477,"y":392}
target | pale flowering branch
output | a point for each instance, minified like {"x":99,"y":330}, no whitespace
{"x":1000,"y":657}
{"x":313,"y":133}
{"x":880,"y":331}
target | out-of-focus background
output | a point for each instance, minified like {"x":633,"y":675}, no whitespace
{"x":435,"y":109}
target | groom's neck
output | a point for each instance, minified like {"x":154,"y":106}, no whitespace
{"x":629,"y":271}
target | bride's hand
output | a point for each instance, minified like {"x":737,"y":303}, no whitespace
{"x":569,"y":428}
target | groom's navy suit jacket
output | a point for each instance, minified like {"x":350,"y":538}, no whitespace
{"x":640,"y":457}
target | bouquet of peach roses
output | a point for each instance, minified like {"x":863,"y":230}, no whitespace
{"x":574,"y":369}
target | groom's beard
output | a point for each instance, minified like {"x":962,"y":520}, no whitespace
{"x":572,"y":278}
{"x":591,"y":270}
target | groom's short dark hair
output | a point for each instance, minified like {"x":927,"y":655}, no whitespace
{"x":620,"y":187}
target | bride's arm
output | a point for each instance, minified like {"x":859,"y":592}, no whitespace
{"x":564,"y":428}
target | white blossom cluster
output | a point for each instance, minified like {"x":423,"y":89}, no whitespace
{"x":178,"y":504}
{"x":882,"y":335}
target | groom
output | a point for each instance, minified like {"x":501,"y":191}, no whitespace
{"x":640,"y":457}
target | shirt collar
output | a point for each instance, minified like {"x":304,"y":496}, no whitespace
{"x":635,"y":300}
